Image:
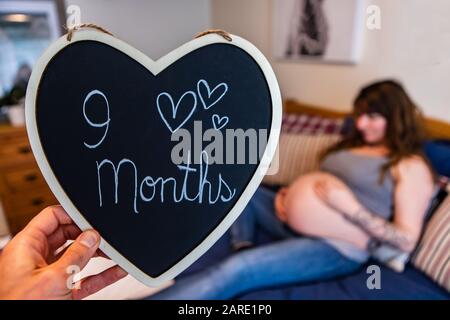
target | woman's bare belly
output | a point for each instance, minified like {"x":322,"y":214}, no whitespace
{"x":307,"y":214}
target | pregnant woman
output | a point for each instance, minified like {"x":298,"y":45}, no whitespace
{"x":373,"y":188}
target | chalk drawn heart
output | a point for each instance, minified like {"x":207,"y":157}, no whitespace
{"x":107,"y":154}
{"x":219,"y":122}
{"x":173,"y":109}
{"x":208,"y":100}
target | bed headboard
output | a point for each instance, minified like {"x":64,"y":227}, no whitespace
{"x":436,"y":128}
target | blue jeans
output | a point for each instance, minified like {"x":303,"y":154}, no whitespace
{"x":293,"y":259}
{"x":259,"y":213}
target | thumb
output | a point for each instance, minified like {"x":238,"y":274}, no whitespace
{"x":80,"y":251}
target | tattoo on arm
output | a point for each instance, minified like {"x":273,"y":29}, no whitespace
{"x":381,"y":229}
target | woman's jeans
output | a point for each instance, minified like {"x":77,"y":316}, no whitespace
{"x":292,"y":259}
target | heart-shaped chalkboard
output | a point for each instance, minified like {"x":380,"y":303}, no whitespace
{"x":125,"y":142}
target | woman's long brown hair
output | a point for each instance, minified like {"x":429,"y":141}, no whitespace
{"x":405,"y":130}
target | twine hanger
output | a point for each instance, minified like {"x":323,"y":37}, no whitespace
{"x":220,"y":32}
{"x":70,"y":31}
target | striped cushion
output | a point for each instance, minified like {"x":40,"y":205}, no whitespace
{"x":313,"y":125}
{"x":298,"y":154}
{"x":433,"y":253}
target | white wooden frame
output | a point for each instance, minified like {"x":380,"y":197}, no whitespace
{"x":154,"y":67}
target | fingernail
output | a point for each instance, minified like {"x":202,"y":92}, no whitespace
{"x":89,"y":238}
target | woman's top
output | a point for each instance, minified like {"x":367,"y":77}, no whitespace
{"x":361,"y":174}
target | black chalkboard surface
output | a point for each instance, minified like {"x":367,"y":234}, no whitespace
{"x":102,"y":118}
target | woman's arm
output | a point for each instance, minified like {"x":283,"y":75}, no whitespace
{"x":412,"y":195}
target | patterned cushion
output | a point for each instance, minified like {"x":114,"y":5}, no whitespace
{"x":298,"y":154}
{"x":313,"y":125}
{"x":433,"y":252}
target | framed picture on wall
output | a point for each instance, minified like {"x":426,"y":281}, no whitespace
{"x":327,"y":31}
{"x":27,"y":27}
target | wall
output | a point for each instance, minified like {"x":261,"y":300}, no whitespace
{"x":413,"y":46}
{"x":155,"y":27}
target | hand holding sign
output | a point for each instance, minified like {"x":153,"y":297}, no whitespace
{"x":101,"y":131}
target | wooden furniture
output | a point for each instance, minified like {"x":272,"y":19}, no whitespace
{"x":435,"y":128}
{"x":23,"y":190}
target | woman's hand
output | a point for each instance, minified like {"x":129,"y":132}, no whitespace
{"x":336,"y":195}
{"x":30,"y":269}
{"x":279,"y":204}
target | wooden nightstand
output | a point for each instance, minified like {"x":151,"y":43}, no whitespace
{"x":23,"y":190}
